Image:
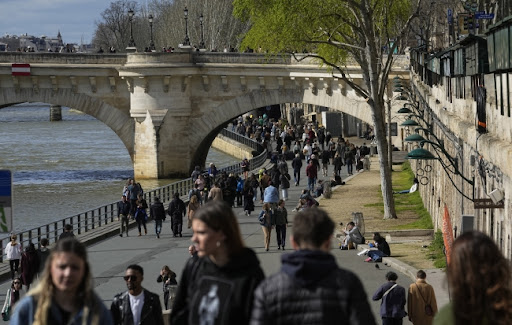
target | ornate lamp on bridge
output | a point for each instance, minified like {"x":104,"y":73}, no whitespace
{"x":201,"y":45}
{"x":151,"y":43}
{"x":186,"y":41}
{"x":131,"y":45}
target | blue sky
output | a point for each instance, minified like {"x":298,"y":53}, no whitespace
{"x":74,"y":18}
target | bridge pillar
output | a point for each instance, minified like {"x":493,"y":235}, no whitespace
{"x":55,"y":113}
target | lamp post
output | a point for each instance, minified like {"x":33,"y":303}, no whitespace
{"x":201,"y":45}
{"x":130,"y":16}
{"x":151,"y":43}
{"x":186,"y":41}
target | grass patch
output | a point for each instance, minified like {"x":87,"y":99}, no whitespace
{"x":410,"y":202}
{"x":436,"y":251}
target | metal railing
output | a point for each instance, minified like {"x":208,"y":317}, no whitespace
{"x":103,"y":215}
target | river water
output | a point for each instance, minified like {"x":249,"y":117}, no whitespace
{"x":67,"y":167}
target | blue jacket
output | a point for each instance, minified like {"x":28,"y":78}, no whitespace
{"x":26,"y":308}
{"x":393,"y":304}
{"x":271,"y":195}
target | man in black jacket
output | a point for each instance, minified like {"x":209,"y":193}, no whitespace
{"x":176,"y":210}
{"x":310,"y":277}
{"x":137,"y":305}
{"x":123,"y":210}
{"x":158,"y":215}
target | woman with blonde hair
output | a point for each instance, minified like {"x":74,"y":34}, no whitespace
{"x":64,"y":294}
{"x":193,"y":205}
{"x":479,"y":280}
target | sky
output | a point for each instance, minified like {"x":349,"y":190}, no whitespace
{"x":74,"y":18}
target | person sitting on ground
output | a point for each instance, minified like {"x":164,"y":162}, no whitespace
{"x":336,"y":180}
{"x":310,"y":276}
{"x":319,"y":189}
{"x":382,"y":250}
{"x":413,"y":188}
{"x":353,"y":236}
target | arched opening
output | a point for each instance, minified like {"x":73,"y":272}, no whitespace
{"x":62,"y":168}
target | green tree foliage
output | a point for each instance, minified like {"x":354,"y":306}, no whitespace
{"x":338,"y":32}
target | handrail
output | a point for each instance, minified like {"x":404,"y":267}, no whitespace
{"x":105,"y":214}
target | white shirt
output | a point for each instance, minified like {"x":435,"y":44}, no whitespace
{"x":13,"y":252}
{"x":136,"y":303}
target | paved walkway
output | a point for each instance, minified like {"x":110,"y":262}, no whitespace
{"x":109,"y":257}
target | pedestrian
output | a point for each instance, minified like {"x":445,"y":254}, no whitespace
{"x":281,"y":219}
{"x":64,"y":294}
{"x":326,"y":156}
{"x":158,"y":215}
{"x":245,"y":165}
{"x":392,"y":307}
{"x":13,"y":295}
{"x":123,"y":211}
{"x":215,"y":192}
{"x":248,"y":195}
{"x":284,"y":184}
{"x":169,"y":283}
{"x":177,"y":211}
{"x":42,"y":254}
{"x":134,"y":190}
{"x":29,"y":265}
{"x":217,"y":287}
{"x":212,"y":172}
{"x":310,"y":277}
{"x":13,"y":254}
{"x":421,"y":301}
{"x":141,"y":217}
{"x":311,"y":173}
{"x":271,"y":195}
{"x":479,"y":280}
{"x":195,"y":173}
{"x":193,"y":205}
{"x":296,"y":165}
{"x":137,"y":305}
{"x":67,"y":232}
{"x":267,"y":222}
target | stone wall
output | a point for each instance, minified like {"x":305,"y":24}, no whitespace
{"x":231,"y":147}
{"x":483,"y":158}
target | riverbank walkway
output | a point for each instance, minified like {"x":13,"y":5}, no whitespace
{"x":109,"y":254}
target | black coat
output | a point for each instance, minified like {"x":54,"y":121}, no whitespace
{"x":311,"y":278}
{"x":151,"y":310}
{"x":231,"y":285}
{"x":158,"y":211}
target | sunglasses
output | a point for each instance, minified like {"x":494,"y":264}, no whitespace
{"x":130,"y":277}
{"x":17,"y":282}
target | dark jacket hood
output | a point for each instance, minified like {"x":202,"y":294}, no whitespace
{"x":308,"y":267}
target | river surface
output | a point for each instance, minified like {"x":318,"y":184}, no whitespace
{"x":64,"y":168}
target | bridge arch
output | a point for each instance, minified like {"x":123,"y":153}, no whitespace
{"x":115,"y":119}
{"x":230,"y":109}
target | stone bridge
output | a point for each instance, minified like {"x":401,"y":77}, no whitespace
{"x":168,"y":107}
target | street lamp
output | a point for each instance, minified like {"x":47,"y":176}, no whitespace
{"x":201,"y":45}
{"x":151,"y":43}
{"x":130,"y":16}
{"x":186,"y":42}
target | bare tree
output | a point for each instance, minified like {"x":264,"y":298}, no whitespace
{"x":114,"y":27}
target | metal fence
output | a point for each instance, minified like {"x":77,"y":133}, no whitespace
{"x":103,"y":215}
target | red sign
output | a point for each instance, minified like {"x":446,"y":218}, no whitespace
{"x":21,"y":69}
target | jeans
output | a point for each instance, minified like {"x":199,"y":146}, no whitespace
{"x":158,"y":226}
{"x":296,"y":175}
{"x":124,"y":224}
{"x":141,"y":222}
{"x":350,"y":167}
{"x":284,"y":191}
{"x":14,"y":264}
{"x":311,"y":184}
{"x":281,"y":235}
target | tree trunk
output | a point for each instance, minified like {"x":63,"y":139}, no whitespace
{"x":385,"y":169}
